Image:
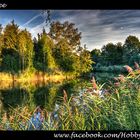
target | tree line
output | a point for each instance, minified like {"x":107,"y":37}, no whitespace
{"x":57,"y":50}
{"x":118,"y":54}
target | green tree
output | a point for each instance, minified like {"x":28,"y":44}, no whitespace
{"x":43,"y":51}
{"x":17,"y":48}
{"x":64,"y":57}
{"x":131,"y":48}
{"x":1,"y":45}
{"x":119,"y":53}
{"x":112,"y":54}
{"x":10,"y":59}
{"x":47,"y":50}
{"x":85,"y":61}
{"x":25,"y":49}
{"x":10,"y":55}
{"x":38,"y":53}
{"x":96,"y":56}
{"x":66,"y":31}
{"x":10,"y":36}
{"x":69,"y":55}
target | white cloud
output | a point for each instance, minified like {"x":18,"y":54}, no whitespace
{"x":98,"y":27}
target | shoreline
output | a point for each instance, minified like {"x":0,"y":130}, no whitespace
{"x":8,"y":80}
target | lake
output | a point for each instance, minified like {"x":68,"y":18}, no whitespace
{"x":45,"y":94}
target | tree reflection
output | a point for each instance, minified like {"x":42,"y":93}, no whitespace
{"x":14,"y":97}
{"x":46,"y":96}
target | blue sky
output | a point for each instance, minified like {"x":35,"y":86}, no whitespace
{"x":98,"y":27}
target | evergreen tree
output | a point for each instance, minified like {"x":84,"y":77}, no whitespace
{"x":10,"y":54}
{"x":10,"y":36}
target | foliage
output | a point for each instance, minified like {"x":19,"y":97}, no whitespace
{"x":25,"y":49}
{"x":43,"y":51}
{"x":51,"y":52}
{"x":131,"y":48}
{"x":10,"y":36}
{"x":9,"y":61}
{"x":85,"y":61}
{"x":66,"y":31}
{"x":112,"y":56}
{"x":95,"y":55}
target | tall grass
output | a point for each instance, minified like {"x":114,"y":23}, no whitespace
{"x":119,"y":109}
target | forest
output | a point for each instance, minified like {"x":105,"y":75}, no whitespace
{"x":51,"y":53}
{"x":60,"y":51}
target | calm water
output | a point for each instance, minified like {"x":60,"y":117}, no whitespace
{"x":44,"y":94}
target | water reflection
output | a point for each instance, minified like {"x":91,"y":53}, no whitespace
{"x":13,"y":97}
{"x":33,"y":94}
{"x":45,"y":96}
{"x":40,"y":93}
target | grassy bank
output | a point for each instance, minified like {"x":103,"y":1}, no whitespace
{"x":119,"y":109}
